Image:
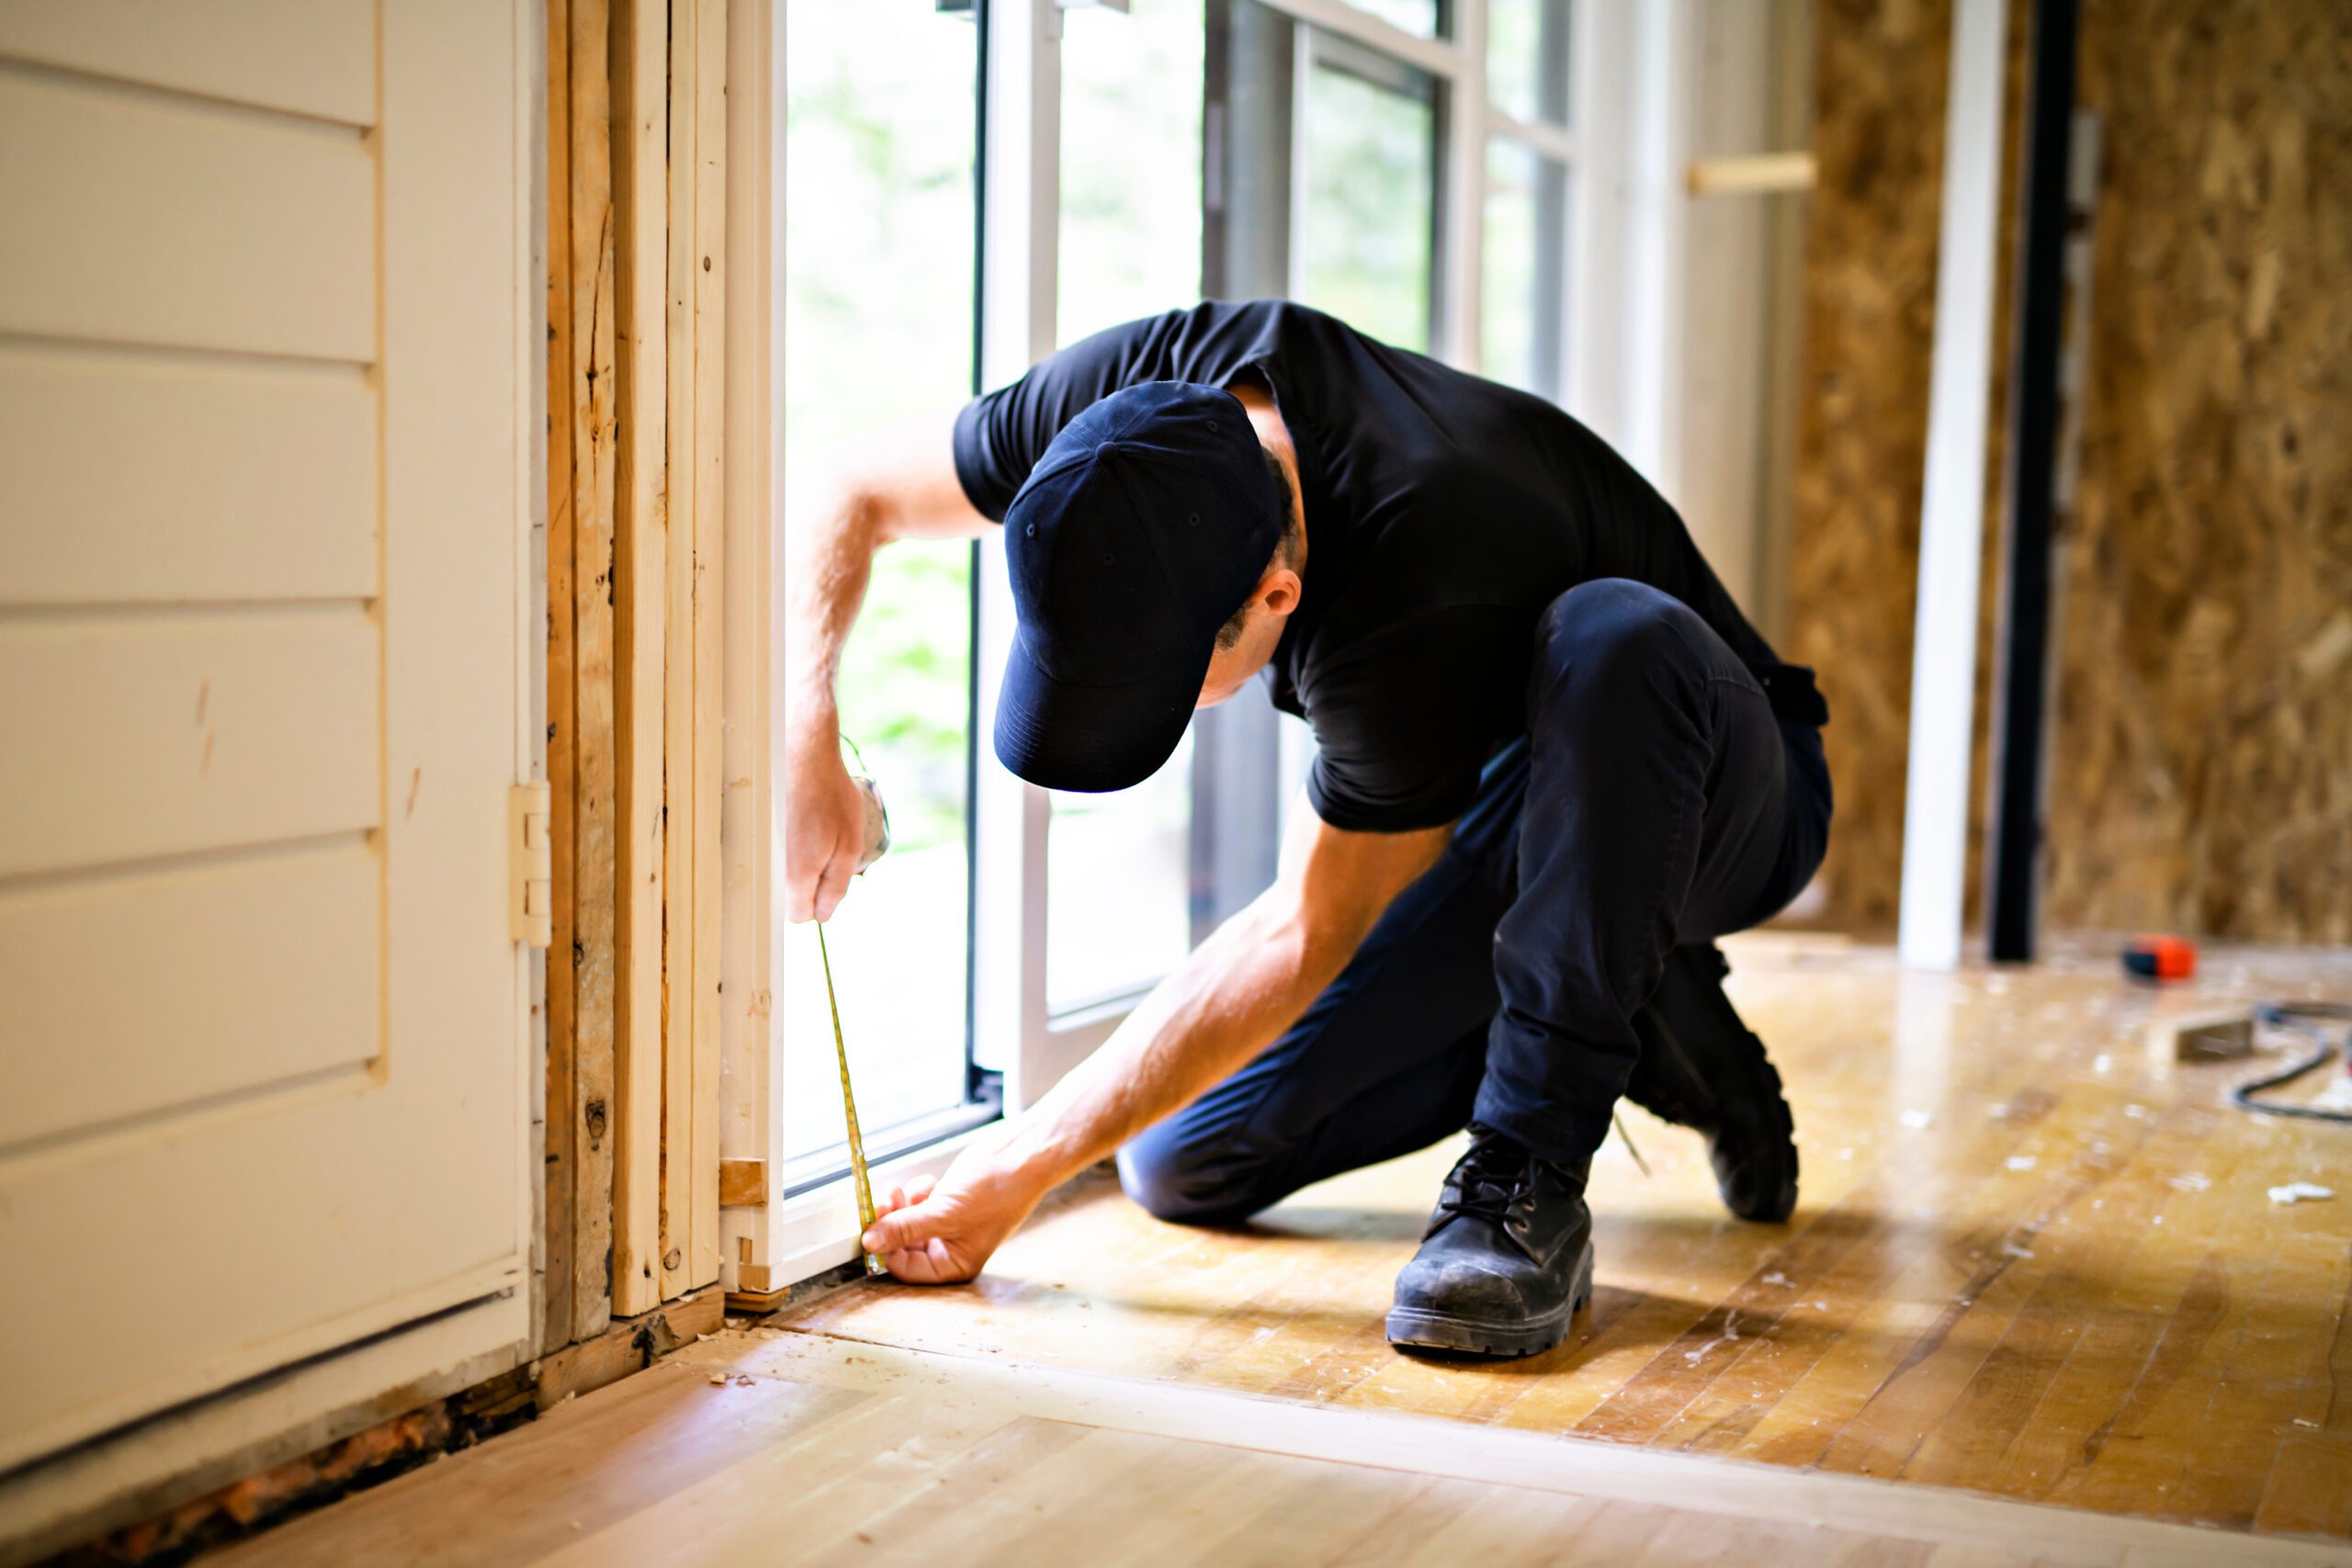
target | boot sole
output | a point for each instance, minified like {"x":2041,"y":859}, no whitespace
{"x":1425,"y":1330}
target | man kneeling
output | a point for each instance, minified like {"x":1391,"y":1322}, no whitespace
{"x":1553,"y":764}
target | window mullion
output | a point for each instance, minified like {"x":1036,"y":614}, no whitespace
{"x":1020,"y":236}
{"x":1463,"y":202}
{"x":1551,"y":141}
{"x":1446,"y":59}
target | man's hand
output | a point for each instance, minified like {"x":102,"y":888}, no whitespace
{"x":824,"y":833}
{"x":899,"y":483}
{"x":937,"y":1230}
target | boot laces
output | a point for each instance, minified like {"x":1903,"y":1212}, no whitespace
{"x":1491,"y":1177}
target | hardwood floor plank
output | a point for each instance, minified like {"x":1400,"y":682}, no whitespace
{"x":1936,"y":1370}
{"x":2100,"y":1236}
{"x":731,"y":1516}
{"x":1504,"y":1527}
{"x":2139,"y":1456}
{"x":2033,"y":1261}
{"x":877,"y":1509}
{"x":2028,"y":1260}
{"x":588,"y":1464}
{"x":1333,"y":1514}
{"x":1264,"y":1512}
{"x":1950,"y":1248}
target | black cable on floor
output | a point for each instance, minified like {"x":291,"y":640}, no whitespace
{"x":2277,"y":1015}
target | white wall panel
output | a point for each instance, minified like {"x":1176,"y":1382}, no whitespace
{"x":124,"y":737}
{"x":313,"y":57}
{"x":279,"y":952}
{"x":134,"y":218}
{"x":145,"y":478}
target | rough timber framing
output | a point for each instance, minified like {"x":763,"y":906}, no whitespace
{"x":588,"y":404}
{"x":678,"y":668}
{"x":560,"y":1119}
{"x":641,"y":217}
{"x":709,"y":598}
{"x":637,"y":170}
{"x":697,"y":234}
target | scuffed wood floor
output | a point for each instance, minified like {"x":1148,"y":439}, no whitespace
{"x":2030,"y":1260}
{"x":2058,"y":1280}
{"x":778,"y":1447}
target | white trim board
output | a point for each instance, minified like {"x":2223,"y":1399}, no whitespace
{"x":1951,"y":521}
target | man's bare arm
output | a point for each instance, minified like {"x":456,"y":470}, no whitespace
{"x":896,"y":484}
{"x":1228,"y":1001}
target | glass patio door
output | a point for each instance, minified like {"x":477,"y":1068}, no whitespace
{"x":878,"y":302}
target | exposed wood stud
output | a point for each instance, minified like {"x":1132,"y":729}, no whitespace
{"x":556,"y":1292}
{"x":709,"y":235}
{"x":593,"y":405}
{"x":641,"y":218}
{"x":678,"y":669}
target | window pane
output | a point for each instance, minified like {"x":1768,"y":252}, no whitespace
{"x":1520,"y":299}
{"x":1118,"y":879}
{"x":1131,"y":164}
{"x":1420,"y":17}
{"x":878,"y":301}
{"x":1117,"y":913}
{"x":1367,"y":230}
{"x":1527,"y":58}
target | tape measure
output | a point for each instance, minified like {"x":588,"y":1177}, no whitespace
{"x":878,"y":840}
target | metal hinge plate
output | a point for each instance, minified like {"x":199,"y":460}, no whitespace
{"x":532,"y":861}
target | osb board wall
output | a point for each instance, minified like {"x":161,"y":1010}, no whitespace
{"x":2200,"y":770}
{"x":2204,"y":767}
{"x":1869,"y":323}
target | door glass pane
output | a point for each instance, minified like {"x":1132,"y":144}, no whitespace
{"x":1117,"y":916}
{"x":1521,"y":300}
{"x":1131,"y":164}
{"x":878,"y":302}
{"x":1117,"y":882}
{"x":1366,"y":227}
{"x":1527,"y":58}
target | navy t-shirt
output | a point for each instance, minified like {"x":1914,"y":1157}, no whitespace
{"x":1443,"y":512}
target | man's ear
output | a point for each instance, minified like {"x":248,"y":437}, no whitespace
{"x":1279,"y":591}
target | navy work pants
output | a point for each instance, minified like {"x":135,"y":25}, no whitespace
{"x":1657,"y":799}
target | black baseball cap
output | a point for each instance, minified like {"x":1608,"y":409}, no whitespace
{"x":1148,"y":520}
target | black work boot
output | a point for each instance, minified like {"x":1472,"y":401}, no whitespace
{"x":1701,"y":1067}
{"x":1506,"y":1260}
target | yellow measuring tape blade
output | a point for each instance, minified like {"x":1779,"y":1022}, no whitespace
{"x":864,"y":1183}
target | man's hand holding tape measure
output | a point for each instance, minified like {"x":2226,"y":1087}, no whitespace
{"x":935,"y":1229}
{"x":824,"y":831}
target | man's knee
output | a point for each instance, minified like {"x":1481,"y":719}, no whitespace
{"x":1187,"y":1182}
{"x":1603,"y":632}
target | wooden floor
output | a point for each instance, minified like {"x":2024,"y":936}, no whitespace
{"x":2033,"y":1267}
{"x":774,"y":1447}
{"x":2030,"y":1260}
